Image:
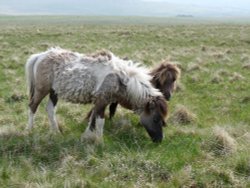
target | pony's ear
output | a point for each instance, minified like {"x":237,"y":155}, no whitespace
{"x":163,"y":106}
{"x":163,"y":76}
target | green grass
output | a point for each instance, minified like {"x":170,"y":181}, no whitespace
{"x":215,"y":89}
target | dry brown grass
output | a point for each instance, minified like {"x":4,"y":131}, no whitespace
{"x":203,"y":48}
{"x":222,"y":142}
{"x":184,"y":177}
{"x":228,"y":51}
{"x":219,"y":75}
{"x":246,"y":66}
{"x":223,"y":72}
{"x":246,"y":99}
{"x":195,"y":78}
{"x":218,"y":55}
{"x":236,"y":77}
{"x":244,"y":58}
{"x":193,"y":67}
{"x":216,"y":78}
{"x":180,"y":87}
{"x":182,"y":115}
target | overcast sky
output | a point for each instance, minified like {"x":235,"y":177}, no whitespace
{"x":197,"y":8}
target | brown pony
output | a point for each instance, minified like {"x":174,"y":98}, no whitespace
{"x":164,"y":78}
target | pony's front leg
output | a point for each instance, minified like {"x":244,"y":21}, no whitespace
{"x":112,"y":109}
{"x":94,"y":131}
{"x":103,"y":95}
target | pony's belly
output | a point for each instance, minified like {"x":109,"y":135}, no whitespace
{"x":76,"y":96}
{"x":75,"y":87}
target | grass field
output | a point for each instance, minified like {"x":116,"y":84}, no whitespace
{"x":207,"y":141}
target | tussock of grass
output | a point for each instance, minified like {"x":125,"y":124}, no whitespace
{"x":199,"y":60}
{"x":236,"y":77}
{"x":203,"y":48}
{"x":180,"y":87}
{"x":246,"y":66}
{"x":222,"y":176}
{"x":15,"y":98}
{"x":222,"y":142}
{"x":223,"y":72}
{"x":195,"y":78}
{"x":218,"y":55}
{"x":184,"y":178}
{"x":8,"y":132}
{"x":219,"y":75}
{"x":227,"y":59}
{"x":246,"y":99}
{"x":243,"y":166}
{"x":193,"y":66}
{"x":15,"y":59}
{"x":217,"y":79}
{"x":228,"y":51}
{"x":5,"y":44}
{"x":246,"y":137}
{"x":182,"y":115}
{"x":244,"y":58}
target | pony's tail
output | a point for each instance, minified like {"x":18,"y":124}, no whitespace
{"x":29,"y":72}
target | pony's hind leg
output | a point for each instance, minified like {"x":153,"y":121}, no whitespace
{"x":35,"y":100}
{"x":51,"y":109}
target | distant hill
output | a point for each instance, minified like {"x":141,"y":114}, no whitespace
{"x":158,"y":8}
{"x":184,"y":16}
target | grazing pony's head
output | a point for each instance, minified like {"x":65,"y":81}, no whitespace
{"x":164,"y":78}
{"x":153,"y":117}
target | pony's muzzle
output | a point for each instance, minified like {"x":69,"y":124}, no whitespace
{"x":155,"y":136}
{"x":157,"y":139}
{"x":167,"y":96}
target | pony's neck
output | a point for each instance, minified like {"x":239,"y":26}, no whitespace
{"x":136,"y":106}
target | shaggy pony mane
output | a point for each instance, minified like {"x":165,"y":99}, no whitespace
{"x":164,"y":72}
{"x":136,"y":78}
